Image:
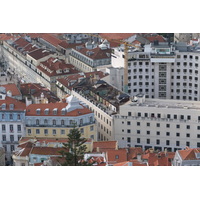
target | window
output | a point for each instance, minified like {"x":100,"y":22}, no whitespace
{"x":4,"y":137}
{"x":54,"y":131}
{"x":128,"y":139}
{"x":168,"y":125}
{"x":37,"y":131}
{"x":54,"y":122}
{"x":92,"y":128}
{"x":129,"y":113}
{"x":116,"y":156}
{"x":177,"y":134}
{"x":167,"y":133}
{"x":3,"y":127}
{"x":198,"y":127}
{"x":148,"y":124}
{"x":12,"y":148}
{"x":128,"y":123}
{"x":198,"y":135}
{"x":18,"y":116}
{"x":188,"y":144}
{"x":138,"y":123}
{"x":82,"y":130}
{"x":187,"y":135}
{"x":11,"y":138}
{"x":46,"y":131}
{"x":37,"y":122}
{"x":19,"y":128}
{"x":148,"y":132}
{"x":198,"y":144}
{"x":158,"y":125}
{"x":157,"y":141}
{"x":19,"y":137}
{"x":177,"y":126}
{"x":138,"y":131}
{"x":128,"y":130}
{"x":177,"y":143}
{"x":62,"y":122}
{"x":3,"y":116}
{"x":11,"y":128}
{"x":11,"y":116}
{"x":138,"y":140}
{"x":167,"y":142}
{"x":148,"y":141}
{"x":158,"y":133}
{"x":188,"y":126}
{"x":45,"y":122}
{"x":29,"y":131}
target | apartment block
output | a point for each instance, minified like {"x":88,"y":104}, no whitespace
{"x":158,"y":124}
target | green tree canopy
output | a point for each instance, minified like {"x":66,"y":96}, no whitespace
{"x":75,"y":149}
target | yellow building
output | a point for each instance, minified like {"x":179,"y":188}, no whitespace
{"x":55,"y":120}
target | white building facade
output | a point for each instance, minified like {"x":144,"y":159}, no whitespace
{"x":158,"y":124}
{"x":162,"y":71}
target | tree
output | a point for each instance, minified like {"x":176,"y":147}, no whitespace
{"x":74,"y":150}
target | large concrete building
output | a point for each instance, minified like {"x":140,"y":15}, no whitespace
{"x":162,"y":70}
{"x":158,"y":124}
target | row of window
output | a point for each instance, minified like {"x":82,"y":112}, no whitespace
{"x":11,"y":128}
{"x":5,"y":137}
{"x":11,"y":116}
{"x":167,"y":142}
{"x":62,"y":122}
{"x":168,"y":116}
{"x":54,"y":131}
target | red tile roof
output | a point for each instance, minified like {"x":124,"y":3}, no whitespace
{"x":189,"y":154}
{"x":105,"y":145}
{"x":157,"y":37}
{"x":13,"y":88}
{"x":116,"y":156}
{"x":18,"y":105}
{"x":96,"y":54}
{"x":39,"y":53}
{"x":50,"y":66}
{"x":51,"y":39}
{"x":133,"y":152}
{"x":116,"y":36}
{"x":31,"y":110}
{"x":46,"y":150}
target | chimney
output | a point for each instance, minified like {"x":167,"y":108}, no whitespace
{"x":151,"y":150}
{"x":139,"y":157}
{"x":97,"y":149}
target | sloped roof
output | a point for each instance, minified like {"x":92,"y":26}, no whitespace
{"x":189,"y":154}
{"x":116,"y":36}
{"x":13,"y":88}
{"x":104,"y":145}
{"x":18,"y":105}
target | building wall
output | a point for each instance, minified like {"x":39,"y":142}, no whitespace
{"x":104,"y":120}
{"x":170,"y":77}
{"x":10,"y":132}
{"x":88,"y":128}
{"x":158,"y":126}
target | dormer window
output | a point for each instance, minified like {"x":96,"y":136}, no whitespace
{"x":11,"y":106}
{"x":63,"y":111}
{"x":46,"y":111}
{"x":55,"y":110}
{"x":38,"y":111}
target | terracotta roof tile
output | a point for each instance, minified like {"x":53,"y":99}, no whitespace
{"x":50,"y":66}
{"x":104,"y":145}
{"x":31,"y":110}
{"x":18,"y":105}
{"x":189,"y":154}
{"x":116,"y":36}
{"x":13,"y":88}
{"x":46,"y":150}
{"x":96,"y":54}
{"x":116,"y":156}
{"x":51,"y":39}
{"x":39,"y":53}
